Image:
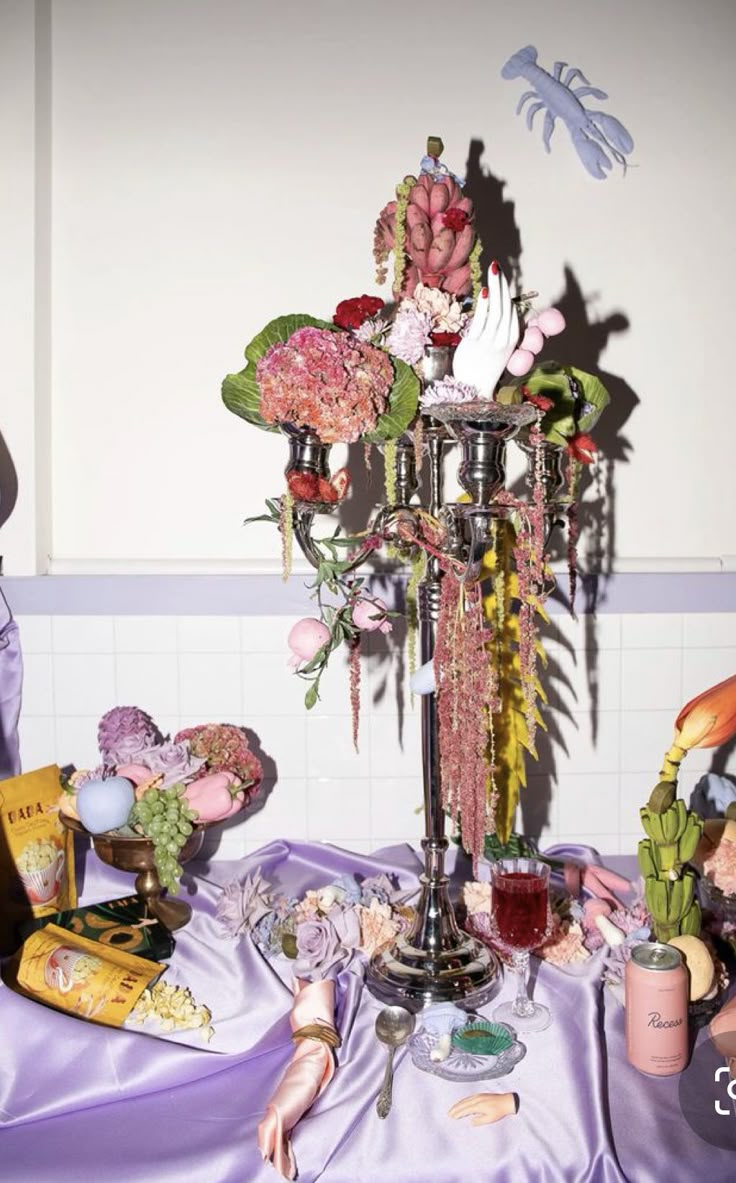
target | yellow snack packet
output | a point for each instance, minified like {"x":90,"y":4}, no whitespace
{"x":36,"y":852}
{"x":80,"y":976}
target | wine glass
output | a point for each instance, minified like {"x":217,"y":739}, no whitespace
{"x":520,"y":922}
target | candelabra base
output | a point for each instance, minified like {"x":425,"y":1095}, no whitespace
{"x":467,"y":974}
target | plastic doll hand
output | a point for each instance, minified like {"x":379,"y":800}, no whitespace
{"x":485,"y":1108}
{"x":481,"y":357}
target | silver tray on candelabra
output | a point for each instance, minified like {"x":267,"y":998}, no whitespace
{"x":483,"y":411}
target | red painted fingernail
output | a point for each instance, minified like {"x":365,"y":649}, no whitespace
{"x":494,"y":267}
{"x":484,"y":293}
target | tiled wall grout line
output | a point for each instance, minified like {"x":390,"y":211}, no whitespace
{"x":654,"y":661}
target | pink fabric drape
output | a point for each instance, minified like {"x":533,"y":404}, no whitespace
{"x":309,"y":1072}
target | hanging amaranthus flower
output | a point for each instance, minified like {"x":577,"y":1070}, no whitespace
{"x":467,"y":692}
{"x":355,"y":686}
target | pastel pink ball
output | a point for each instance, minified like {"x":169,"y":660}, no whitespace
{"x":307,"y":637}
{"x":551,"y":322}
{"x":533,"y":340}
{"x":520,"y":362}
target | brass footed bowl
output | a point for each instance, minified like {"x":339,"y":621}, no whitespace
{"x":137,"y":855}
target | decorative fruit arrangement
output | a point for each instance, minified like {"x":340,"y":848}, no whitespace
{"x":152,"y":786}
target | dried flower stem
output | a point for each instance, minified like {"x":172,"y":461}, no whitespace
{"x":355,"y":686}
{"x":286,"y":525}
{"x":389,"y":471}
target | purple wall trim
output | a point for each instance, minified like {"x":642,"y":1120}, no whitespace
{"x":257,"y":595}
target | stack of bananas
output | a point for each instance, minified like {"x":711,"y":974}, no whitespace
{"x":673,"y":833}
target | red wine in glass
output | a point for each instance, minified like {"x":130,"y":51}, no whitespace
{"x":520,"y":913}
{"x":520,"y":909}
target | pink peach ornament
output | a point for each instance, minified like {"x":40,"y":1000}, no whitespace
{"x":306,"y":639}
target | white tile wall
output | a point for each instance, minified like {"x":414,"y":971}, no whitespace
{"x":615,"y":685}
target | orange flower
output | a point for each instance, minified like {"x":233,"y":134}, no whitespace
{"x":710,"y":719}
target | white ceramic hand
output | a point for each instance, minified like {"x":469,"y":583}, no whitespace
{"x":482,"y":355}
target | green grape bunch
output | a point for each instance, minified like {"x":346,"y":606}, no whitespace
{"x":164,"y":816}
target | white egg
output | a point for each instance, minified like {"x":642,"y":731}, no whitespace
{"x":422,"y":680}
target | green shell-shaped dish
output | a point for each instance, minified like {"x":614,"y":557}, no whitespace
{"x":482,"y":1038}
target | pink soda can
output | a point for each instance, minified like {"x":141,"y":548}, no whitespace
{"x":656,"y":988}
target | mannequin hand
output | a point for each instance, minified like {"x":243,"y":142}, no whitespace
{"x":485,"y":1108}
{"x":482,"y":355}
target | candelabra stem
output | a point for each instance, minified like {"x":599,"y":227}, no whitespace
{"x":435,"y":961}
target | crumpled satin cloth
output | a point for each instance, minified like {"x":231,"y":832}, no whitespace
{"x":11,"y":686}
{"x":138,"y":1108}
{"x":310,"y":1071}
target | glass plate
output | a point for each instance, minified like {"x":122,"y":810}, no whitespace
{"x":462,"y":1066}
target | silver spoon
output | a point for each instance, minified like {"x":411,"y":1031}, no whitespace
{"x":394,"y":1025}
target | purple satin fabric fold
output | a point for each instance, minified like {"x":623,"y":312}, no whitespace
{"x":75,"y":1098}
{"x":11,"y":688}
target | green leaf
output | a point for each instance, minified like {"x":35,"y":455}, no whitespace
{"x":403,"y":401}
{"x":560,"y":423}
{"x":240,"y":392}
{"x":310,"y":698}
{"x":595,"y":393}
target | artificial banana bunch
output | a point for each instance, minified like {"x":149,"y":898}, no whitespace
{"x":673,"y":833}
{"x":674,"y":909}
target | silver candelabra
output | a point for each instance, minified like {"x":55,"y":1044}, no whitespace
{"x":436,"y":961}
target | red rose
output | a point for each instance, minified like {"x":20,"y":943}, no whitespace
{"x":455,"y":218}
{"x":351,"y":314}
{"x":445,"y":338}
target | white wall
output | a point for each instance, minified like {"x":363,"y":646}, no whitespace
{"x":214,"y":164}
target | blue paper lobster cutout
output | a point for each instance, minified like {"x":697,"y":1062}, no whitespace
{"x":593,"y":133}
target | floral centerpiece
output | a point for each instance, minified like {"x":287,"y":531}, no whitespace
{"x":448,"y":353}
{"x":148,"y":784}
{"x":322,"y":931}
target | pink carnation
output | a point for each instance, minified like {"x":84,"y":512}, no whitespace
{"x":327,"y":381}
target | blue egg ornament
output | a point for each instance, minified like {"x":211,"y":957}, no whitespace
{"x":105,"y":804}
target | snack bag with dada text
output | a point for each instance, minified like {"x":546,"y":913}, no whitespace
{"x":78,"y":976}
{"x":36,"y":853}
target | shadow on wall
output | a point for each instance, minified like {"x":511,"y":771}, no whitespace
{"x":582,"y":344}
{"x":8,"y":485}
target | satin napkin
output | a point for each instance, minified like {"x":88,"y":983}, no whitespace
{"x":309,"y":1072}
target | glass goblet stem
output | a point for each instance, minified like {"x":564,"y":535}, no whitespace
{"x":523,"y":1005}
